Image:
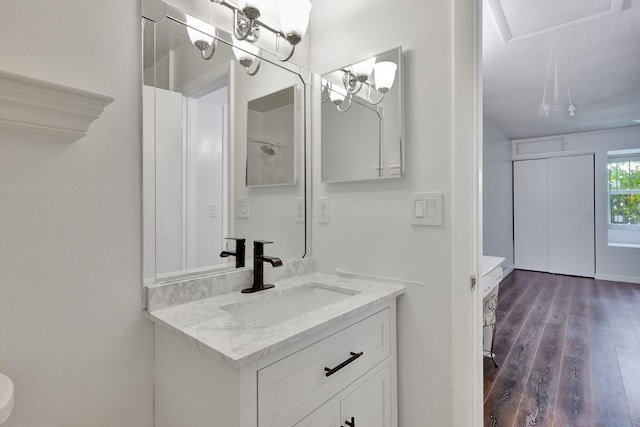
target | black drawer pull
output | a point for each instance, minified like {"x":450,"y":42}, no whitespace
{"x":331,"y":371}
{"x":350,"y":424}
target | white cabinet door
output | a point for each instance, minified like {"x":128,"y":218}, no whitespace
{"x":370,"y":404}
{"x":328,"y":415}
{"x":530,"y":214}
{"x":571,"y":225}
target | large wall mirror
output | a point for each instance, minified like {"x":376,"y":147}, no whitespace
{"x":223,"y":148}
{"x":362,"y":120}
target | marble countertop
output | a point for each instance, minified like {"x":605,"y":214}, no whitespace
{"x":240,"y":342}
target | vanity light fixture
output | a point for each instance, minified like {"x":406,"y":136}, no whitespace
{"x":294,"y":18}
{"x":247,"y":55}
{"x":203,"y":42}
{"x":337,"y":94}
{"x":357,"y":76}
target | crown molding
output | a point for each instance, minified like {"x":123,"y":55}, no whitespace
{"x":42,"y":108}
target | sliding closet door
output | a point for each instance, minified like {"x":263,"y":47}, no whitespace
{"x":571,"y":219}
{"x":531,"y":213}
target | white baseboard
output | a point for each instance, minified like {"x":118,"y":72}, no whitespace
{"x":507,"y":270}
{"x":614,"y":278}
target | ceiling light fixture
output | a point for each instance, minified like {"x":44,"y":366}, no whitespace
{"x":545,"y":109}
{"x":377,"y":77}
{"x":294,"y":18}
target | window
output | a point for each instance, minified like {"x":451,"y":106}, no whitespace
{"x":624,"y":198}
{"x":624,"y":190}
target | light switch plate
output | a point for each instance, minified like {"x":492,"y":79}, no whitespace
{"x":323,"y":210}
{"x":300,"y":209}
{"x":242,"y":207}
{"x":425,"y":208}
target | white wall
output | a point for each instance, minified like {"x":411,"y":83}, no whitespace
{"x":370,"y":231}
{"x":497,"y":193}
{"x":72,"y":332}
{"x":612,"y":263}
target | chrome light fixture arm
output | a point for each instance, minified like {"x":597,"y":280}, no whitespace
{"x":244,"y":28}
{"x":351,"y":83}
{"x":371,"y":101}
{"x":247,"y":24}
{"x":293,"y":48}
{"x":344,"y":110}
{"x":204,"y":46}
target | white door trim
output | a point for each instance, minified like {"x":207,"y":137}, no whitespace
{"x":467,"y":399}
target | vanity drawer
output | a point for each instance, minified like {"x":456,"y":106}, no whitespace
{"x":300,"y":381}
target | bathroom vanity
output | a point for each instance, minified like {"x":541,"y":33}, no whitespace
{"x":317,"y":350}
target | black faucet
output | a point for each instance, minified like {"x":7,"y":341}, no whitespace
{"x":239,"y":253}
{"x":258,"y":273}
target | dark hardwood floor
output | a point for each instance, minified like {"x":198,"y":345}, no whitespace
{"x":569,"y":353}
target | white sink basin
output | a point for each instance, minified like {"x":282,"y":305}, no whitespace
{"x":6,"y":397}
{"x":273,"y":308}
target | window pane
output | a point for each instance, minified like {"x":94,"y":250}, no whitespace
{"x":634,"y":171}
{"x":625,"y":209}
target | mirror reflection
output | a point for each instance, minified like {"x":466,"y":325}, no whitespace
{"x":362,"y":120}
{"x":204,"y":100}
{"x":271,"y":139}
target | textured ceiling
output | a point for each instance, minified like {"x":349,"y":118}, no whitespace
{"x":599,"y":58}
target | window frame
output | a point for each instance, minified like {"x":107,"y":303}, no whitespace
{"x":620,"y":158}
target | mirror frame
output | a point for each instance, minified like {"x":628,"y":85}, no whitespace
{"x":399,"y":85}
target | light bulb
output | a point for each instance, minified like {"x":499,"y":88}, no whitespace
{"x":294,"y":18}
{"x":362,"y":70}
{"x":337,"y":94}
{"x":385,"y":73}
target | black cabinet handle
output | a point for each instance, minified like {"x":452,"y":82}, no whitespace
{"x":331,"y":371}
{"x":351,"y":423}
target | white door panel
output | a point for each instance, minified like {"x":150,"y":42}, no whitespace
{"x":571,"y":210}
{"x":530,"y":210}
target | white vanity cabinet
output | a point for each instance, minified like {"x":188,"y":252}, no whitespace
{"x":367,"y":403}
{"x":345,"y":370}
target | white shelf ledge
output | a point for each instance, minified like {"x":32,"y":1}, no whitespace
{"x":37,"y":107}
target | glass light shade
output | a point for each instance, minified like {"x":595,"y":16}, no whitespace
{"x":294,"y":16}
{"x":362,"y":70}
{"x":244,"y":50}
{"x":385,"y":72}
{"x":195,"y":35}
{"x":337,"y":94}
